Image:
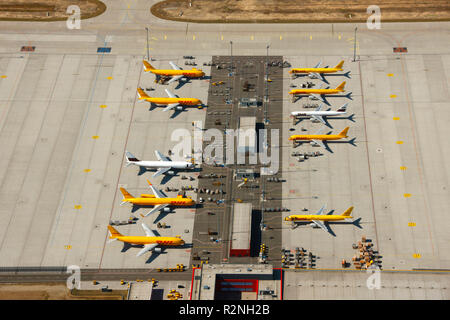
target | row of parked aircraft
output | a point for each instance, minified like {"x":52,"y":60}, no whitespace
{"x":158,"y":201}
{"x":318,"y":114}
{"x":320,"y":219}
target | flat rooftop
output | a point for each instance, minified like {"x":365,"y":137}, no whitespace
{"x":241,"y":232}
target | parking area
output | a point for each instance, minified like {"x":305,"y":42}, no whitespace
{"x":64,"y":137}
{"x":395,"y":176}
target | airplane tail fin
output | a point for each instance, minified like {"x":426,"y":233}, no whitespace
{"x":141,"y":94}
{"x":343,"y":108}
{"x":348,"y":212}
{"x":113,"y":233}
{"x":147,"y":66}
{"x":126,"y":194}
{"x":130,"y":158}
{"x":344,"y":133}
{"x":339,"y":65}
{"x":341,"y":86}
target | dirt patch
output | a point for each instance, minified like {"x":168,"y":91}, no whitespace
{"x":47,"y":10}
{"x":299,"y":11}
{"x":55,"y":291}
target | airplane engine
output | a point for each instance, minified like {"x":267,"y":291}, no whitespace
{"x":179,"y":108}
{"x":157,"y":250}
{"x":171,"y":172}
{"x":313,"y":225}
{"x":166,"y":209}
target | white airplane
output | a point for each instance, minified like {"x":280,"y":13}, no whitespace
{"x":163,"y":164}
{"x":318,"y":114}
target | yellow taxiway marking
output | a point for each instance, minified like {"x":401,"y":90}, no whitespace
{"x":281,"y":37}
{"x":221,"y":37}
{"x":68,"y":247}
{"x":193,"y":37}
{"x":94,"y":137}
{"x":77,"y":206}
{"x":417,"y":255}
{"x":3,"y":76}
{"x":407,"y":195}
{"x":310,"y":37}
{"x":393,"y":96}
{"x":109,"y":78}
{"x":390,"y":74}
{"x":103,"y":106}
{"x":252,"y":38}
{"x":411,"y":224}
{"x":396,"y":118}
{"x":339,"y":37}
{"x":399,"y":142}
{"x":165,"y":37}
{"x":154,"y":38}
{"x":403,"y":168}
{"x":87,"y":170}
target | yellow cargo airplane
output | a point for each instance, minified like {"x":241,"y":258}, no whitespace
{"x":172,"y":102}
{"x":176,"y":73}
{"x":320,"y":216}
{"x":150,"y":241}
{"x":157,"y":199}
{"x":317,"y":72}
{"x":319,"y":93}
{"x":318,"y":139}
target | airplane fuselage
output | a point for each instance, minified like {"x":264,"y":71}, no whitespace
{"x":314,"y":91}
{"x":167,"y":101}
{"x":193,"y":73}
{"x":164,"y":241}
{"x":163,"y":164}
{"x":151,"y":200}
{"x":314,"y":70}
{"x":316,"y":137}
{"x":310,"y":217}
{"x":316,"y":113}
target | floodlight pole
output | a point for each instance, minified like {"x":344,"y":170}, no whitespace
{"x":231,"y":57}
{"x":267,"y":85}
{"x":148,"y":52}
{"x":354,"y":46}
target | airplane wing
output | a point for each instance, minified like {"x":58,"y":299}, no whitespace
{"x":319,"y":107}
{"x":320,"y":143}
{"x":176,"y":78}
{"x":318,"y":65}
{"x":161,"y":171}
{"x":318,"y":97}
{"x":147,"y":247}
{"x":155,"y":191}
{"x":320,"y":224}
{"x":319,"y":118}
{"x":170,"y":106}
{"x":174,"y":66}
{"x":156,"y":208}
{"x":161,"y":157}
{"x":148,"y":231}
{"x":315,"y":75}
{"x":321,"y":210}
{"x":170,"y":94}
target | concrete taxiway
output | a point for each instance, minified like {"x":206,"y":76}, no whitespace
{"x":68,"y":113}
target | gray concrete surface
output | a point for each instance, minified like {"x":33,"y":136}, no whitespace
{"x":55,"y":213}
{"x":331,"y":285}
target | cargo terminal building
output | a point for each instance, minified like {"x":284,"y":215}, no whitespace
{"x":241,"y":230}
{"x":236,"y":282}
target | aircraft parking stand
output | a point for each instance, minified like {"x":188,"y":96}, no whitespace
{"x":394,"y":176}
{"x":70,"y":130}
{"x":68,"y":113}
